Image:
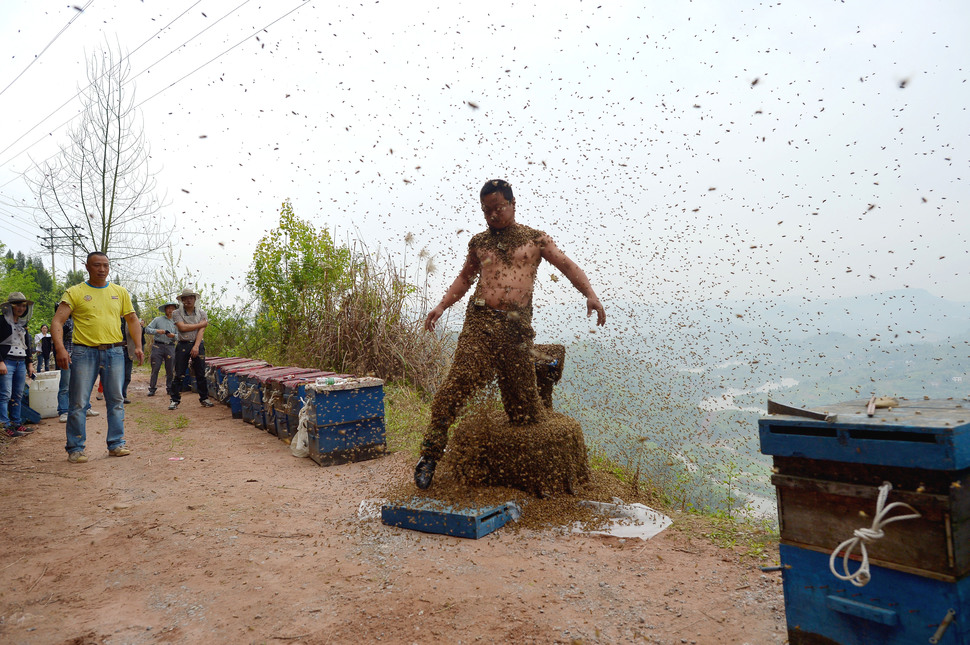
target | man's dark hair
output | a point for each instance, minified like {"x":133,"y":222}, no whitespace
{"x":93,"y":253}
{"x":497,"y":186}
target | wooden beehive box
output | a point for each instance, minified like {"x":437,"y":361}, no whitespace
{"x":827,"y":477}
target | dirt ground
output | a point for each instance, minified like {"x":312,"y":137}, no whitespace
{"x":212,"y":532}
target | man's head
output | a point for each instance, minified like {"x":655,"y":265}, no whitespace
{"x":187,"y":298}
{"x":168,"y":308}
{"x":98,"y":267}
{"x":498,"y":204}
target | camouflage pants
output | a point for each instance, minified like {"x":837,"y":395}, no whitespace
{"x":493,"y":345}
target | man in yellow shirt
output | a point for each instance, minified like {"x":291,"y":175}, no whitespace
{"x":96,"y":306}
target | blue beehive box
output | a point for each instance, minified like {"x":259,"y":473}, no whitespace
{"x":348,"y":420}
{"x":233,"y":376}
{"x":827,"y":476}
{"x":262,"y":412}
{"x":895,"y":608}
{"x":289,"y":401}
{"x":433,"y":516}
{"x":220,"y":374}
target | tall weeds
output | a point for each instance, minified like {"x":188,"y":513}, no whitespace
{"x":376,"y":327}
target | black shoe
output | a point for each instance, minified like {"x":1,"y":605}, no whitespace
{"x":127,"y":401}
{"x":151,"y":392}
{"x":424,"y":472}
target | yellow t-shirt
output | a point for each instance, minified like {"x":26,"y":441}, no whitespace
{"x":97,"y":312}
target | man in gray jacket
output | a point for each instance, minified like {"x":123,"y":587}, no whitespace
{"x":164,"y":334}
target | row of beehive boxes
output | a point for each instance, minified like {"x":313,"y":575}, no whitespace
{"x":345,"y":413}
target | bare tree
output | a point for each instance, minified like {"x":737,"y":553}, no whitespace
{"x":98,"y":190}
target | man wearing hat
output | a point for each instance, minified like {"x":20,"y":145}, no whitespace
{"x":191,"y":323}
{"x":164,"y":334}
{"x":16,"y":364}
{"x":97,"y":307}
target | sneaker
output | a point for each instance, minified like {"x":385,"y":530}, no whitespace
{"x":77,"y":457}
{"x":423,"y":472}
{"x":92,"y":412}
{"x":12,"y":432}
{"x":24,"y":429}
{"x":173,"y":405}
{"x":63,"y":418}
{"x":119,"y":452}
{"x":207,"y":403}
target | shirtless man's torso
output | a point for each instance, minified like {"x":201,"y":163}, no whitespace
{"x":505,"y":261}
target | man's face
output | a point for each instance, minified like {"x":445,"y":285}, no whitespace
{"x":169,"y":310}
{"x":499,"y":213}
{"x":188,"y":301}
{"x":98,"y":267}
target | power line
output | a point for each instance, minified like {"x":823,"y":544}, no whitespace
{"x":223,"y":53}
{"x":79,"y":10}
{"x":61,"y":106}
{"x":179,"y":80}
{"x":29,"y":238}
{"x":238,"y":7}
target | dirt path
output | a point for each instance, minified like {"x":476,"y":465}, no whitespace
{"x":239,"y":542}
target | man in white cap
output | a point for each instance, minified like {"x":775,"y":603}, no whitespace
{"x":164,"y":334}
{"x":191,"y":322}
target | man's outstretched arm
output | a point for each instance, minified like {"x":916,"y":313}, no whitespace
{"x":558,"y":259}
{"x":457,"y":290}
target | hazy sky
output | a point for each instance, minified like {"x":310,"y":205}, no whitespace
{"x":673,"y":149}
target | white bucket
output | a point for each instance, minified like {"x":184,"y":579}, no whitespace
{"x":43,"y":393}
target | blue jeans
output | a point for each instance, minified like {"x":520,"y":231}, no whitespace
{"x":86,"y":362}
{"x":63,"y":393}
{"x":11,"y":391}
{"x":63,"y":402}
{"x":129,"y":365}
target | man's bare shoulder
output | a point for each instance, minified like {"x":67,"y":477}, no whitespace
{"x":511,"y":237}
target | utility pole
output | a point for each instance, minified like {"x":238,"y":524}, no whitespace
{"x":58,"y":238}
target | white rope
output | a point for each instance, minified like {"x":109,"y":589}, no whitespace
{"x":300,"y":445}
{"x":862,"y":576}
{"x":306,"y":414}
{"x":272,"y":398}
{"x":243,"y":391}
{"x":224,"y":389}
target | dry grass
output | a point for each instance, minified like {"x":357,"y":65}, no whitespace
{"x":377,"y":328}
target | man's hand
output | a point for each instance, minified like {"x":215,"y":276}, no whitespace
{"x":433,"y":317}
{"x":3,"y":367}
{"x":63,"y":359}
{"x":169,"y":334}
{"x":593,"y":304}
{"x":140,"y":355}
{"x":195,"y":351}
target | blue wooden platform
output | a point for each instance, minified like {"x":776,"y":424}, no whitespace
{"x":433,"y":516}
